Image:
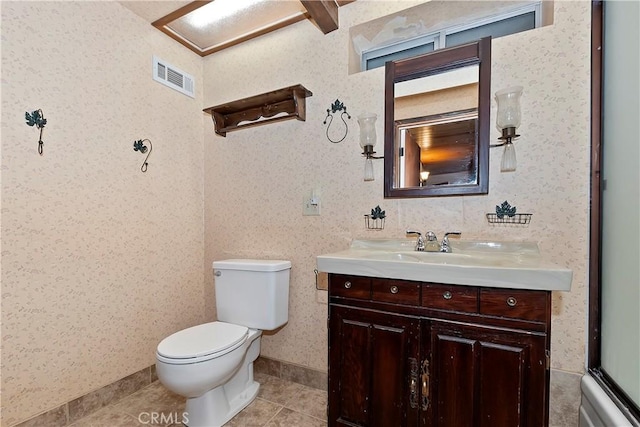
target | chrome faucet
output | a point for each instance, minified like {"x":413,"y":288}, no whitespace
{"x":432,"y":244}
{"x":444,"y":247}
{"x":420,"y":242}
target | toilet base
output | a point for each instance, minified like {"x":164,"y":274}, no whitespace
{"x":217,"y":406}
{"x":212,"y":409}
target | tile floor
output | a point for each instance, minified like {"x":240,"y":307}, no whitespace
{"x":279,"y":403}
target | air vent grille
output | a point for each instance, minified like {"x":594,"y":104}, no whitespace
{"x":171,"y":76}
{"x":162,"y":72}
{"x":175,"y":78}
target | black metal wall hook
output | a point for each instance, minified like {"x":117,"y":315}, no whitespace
{"x":335,"y":107}
{"x":139,"y":146}
{"x":37,"y":119}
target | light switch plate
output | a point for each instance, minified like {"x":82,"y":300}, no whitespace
{"x":311,"y":204}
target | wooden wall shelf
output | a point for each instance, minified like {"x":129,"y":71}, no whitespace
{"x":282,"y":104}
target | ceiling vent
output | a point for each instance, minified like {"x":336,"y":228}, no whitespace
{"x":170,"y":76}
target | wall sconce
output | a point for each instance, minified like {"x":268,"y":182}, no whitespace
{"x":424,"y":176}
{"x":367,"y":122}
{"x":507,"y":121}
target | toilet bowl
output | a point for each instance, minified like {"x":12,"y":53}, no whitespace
{"x":213,"y":374}
{"x":212,"y":364}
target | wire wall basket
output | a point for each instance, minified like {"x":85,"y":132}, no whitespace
{"x":516,"y":219}
{"x":373,"y":223}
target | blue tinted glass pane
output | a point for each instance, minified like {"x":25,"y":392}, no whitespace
{"x":380,"y":60}
{"x":501,"y":28}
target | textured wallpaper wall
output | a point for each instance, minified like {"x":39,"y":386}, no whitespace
{"x":99,"y":260}
{"x":256,"y":179}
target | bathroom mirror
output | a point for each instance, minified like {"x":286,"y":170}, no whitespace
{"x":437,"y":121}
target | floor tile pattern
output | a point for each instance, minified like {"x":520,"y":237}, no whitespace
{"x":279,"y":403}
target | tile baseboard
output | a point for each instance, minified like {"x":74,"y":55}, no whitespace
{"x":291,"y":372}
{"x":75,"y":409}
{"x":564,"y":393}
{"x":89,"y":403}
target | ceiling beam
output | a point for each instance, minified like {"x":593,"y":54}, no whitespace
{"x":324,"y":13}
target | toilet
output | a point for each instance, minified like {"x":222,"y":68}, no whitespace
{"x":212,"y":364}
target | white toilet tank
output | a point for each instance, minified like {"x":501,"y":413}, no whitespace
{"x":252,"y":293}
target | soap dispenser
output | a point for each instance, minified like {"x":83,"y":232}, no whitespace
{"x":432,"y":244}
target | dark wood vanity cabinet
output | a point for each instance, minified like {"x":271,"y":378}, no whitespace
{"x":371,"y":354}
{"x":484,"y":377}
{"x":405,"y":353}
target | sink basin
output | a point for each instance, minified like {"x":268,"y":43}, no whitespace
{"x":418,"y":257}
{"x":392,"y":256}
{"x":476,"y":263}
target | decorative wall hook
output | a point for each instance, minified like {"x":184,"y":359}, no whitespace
{"x":139,"y":146}
{"x":37,"y":119}
{"x":335,"y":107}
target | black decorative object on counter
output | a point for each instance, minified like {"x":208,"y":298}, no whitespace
{"x":37,"y":119}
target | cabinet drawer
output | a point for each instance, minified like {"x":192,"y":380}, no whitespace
{"x":522,"y":304}
{"x":448,"y":297}
{"x":395,"y":291}
{"x":350,"y":286}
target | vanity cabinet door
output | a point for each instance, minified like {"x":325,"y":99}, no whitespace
{"x":485,"y":377}
{"x":373,"y":375}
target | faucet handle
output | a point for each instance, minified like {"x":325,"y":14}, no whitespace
{"x":444,"y":247}
{"x":420,"y":242}
{"x":450,"y":233}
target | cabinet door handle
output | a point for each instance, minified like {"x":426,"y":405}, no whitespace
{"x":347,"y":284}
{"x":394,"y":289}
{"x":512,"y":301}
{"x":425,"y":384}
{"x":447,"y":295}
{"x":413,"y":385}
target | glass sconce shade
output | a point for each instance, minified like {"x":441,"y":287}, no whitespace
{"x":508,"y":163}
{"x":368,"y":170}
{"x":507,"y":121}
{"x":367,"y":122}
{"x":508,"y":107}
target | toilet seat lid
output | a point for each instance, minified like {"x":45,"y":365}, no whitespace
{"x":203,"y":340}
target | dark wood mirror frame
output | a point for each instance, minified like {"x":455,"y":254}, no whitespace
{"x":475,"y":53}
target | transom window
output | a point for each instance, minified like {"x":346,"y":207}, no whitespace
{"x":521,"y":19}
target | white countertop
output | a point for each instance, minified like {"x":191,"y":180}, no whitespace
{"x":517,"y":265}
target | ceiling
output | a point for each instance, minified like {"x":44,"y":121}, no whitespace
{"x":178,"y":19}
